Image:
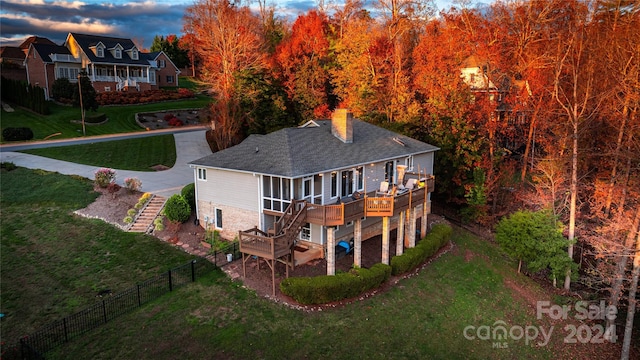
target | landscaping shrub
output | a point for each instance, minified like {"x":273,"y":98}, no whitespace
{"x":177,"y":209}
{"x":327,"y":288}
{"x":126,"y":98}
{"x":104,"y":177}
{"x":189,"y":194}
{"x":9,"y":166}
{"x":132,"y":184}
{"x":96,"y":118}
{"x":62,"y":90}
{"x":17,"y":134}
{"x":440,"y":234}
{"x":23,"y":94}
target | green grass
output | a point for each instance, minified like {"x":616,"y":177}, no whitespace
{"x":422,"y":317}
{"x":138,"y":154}
{"x":121,"y":119}
{"x":53,"y":262}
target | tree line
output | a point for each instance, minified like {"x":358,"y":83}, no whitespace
{"x":553,"y":125}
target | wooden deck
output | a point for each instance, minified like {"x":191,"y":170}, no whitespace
{"x":370,"y":205}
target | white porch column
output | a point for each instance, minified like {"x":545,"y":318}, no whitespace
{"x":115,"y":74}
{"x":400,"y":237}
{"x":93,"y":72}
{"x":357,"y":242}
{"x":426,"y":210}
{"x":127,"y":72}
{"x":331,"y":251}
{"x":412,"y":226}
{"x":385,"y":240}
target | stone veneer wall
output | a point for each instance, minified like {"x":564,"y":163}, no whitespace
{"x":233,"y":219}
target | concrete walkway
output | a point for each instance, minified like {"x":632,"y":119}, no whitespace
{"x":191,"y":144}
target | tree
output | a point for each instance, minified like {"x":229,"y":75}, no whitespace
{"x":302,"y":61}
{"x":89,"y":94}
{"x":228,"y":41}
{"x":536,"y":239}
{"x":62,"y":89}
{"x":171,"y":47}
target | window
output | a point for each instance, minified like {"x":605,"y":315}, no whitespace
{"x":118,"y":54}
{"x":409,"y":162}
{"x":218,"y":218}
{"x":334,"y":184}
{"x":202,"y":174}
{"x":161,"y":63}
{"x":68,"y":73}
{"x":388,"y":172}
{"x":360,"y":178}
{"x":276,"y":193}
{"x":347,"y":183}
{"x":169,"y":79}
{"x":99,"y":51}
{"x":305,"y":233}
{"x":134,"y":54}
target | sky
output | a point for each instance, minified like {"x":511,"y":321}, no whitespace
{"x":136,"y":20}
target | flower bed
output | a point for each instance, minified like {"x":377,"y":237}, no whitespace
{"x":149,"y":96}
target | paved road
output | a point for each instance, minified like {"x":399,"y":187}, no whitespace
{"x":191,"y":144}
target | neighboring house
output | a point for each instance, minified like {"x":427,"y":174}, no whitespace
{"x":112,"y":64}
{"x":508,"y":95}
{"x":12,"y":58}
{"x":334,"y":166}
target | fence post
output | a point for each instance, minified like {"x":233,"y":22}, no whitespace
{"x":170,"y":283}
{"x":104,"y":311}
{"x":66,"y":336}
{"x":139,"y":301}
{"x":193,"y":271}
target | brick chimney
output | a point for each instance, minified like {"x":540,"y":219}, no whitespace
{"x":342,"y":125}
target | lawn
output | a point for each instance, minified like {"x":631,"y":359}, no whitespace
{"x":59,"y":125}
{"x":141,"y":153}
{"x":53,"y":262}
{"x":422,"y":317}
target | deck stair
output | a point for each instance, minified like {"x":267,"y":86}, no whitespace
{"x":277,"y":244}
{"x":143,"y":222}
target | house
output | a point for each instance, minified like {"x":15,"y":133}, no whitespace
{"x":315,"y":186}
{"x":112,"y":64}
{"x":508,"y":96}
{"x":12,"y":58}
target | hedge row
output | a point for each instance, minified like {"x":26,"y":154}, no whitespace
{"x":23,"y":94}
{"x":327,"y":288}
{"x":440,"y":234}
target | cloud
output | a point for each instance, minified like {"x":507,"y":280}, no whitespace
{"x":55,"y":19}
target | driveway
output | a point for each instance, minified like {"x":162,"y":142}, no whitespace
{"x":191,"y":144}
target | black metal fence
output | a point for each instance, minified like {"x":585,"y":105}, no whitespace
{"x":34,"y":346}
{"x":221,"y":257}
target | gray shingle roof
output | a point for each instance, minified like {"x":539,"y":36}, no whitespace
{"x":296,"y":152}
{"x":87,"y":41}
{"x":44,"y":50}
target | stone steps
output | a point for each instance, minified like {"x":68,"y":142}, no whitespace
{"x":143,"y":222}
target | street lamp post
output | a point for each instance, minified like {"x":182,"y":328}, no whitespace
{"x":81,"y":105}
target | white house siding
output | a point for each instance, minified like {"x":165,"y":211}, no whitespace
{"x":235,"y":193}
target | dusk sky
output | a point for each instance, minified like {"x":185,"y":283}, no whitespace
{"x":137,"y":20}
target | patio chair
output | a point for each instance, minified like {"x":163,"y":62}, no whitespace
{"x":411,"y":184}
{"x":384,"y":188}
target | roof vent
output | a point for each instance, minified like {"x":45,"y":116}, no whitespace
{"x":399,"y":141}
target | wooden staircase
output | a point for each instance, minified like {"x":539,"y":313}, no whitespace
{"x":144,"y":220}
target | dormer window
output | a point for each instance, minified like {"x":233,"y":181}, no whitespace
{"x":99,"y":52}
{"x":118,"y":54}
{"x":134,"y":54}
